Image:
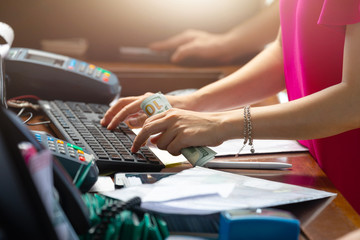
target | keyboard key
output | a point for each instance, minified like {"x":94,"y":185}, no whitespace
{"x":115,"y":156}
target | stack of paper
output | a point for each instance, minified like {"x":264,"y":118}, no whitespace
{"x":205,"y":191}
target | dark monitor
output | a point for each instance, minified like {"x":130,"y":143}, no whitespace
{"x":108,"y":24}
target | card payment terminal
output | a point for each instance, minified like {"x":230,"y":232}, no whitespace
{"x":52,"y":76}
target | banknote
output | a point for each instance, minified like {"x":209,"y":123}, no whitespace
{"x":157,"y":103}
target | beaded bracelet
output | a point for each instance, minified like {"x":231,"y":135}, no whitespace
{"x":247,"y":131}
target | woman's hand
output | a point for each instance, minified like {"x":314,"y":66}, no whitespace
{"x":125,"y":108}
{"x":128,"y":110}
{"x":194,"y":45}
{"x":179,"y":129}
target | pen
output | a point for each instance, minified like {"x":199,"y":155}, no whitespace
{"x":249,"y":165}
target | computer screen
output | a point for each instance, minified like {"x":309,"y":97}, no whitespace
{"x":108,"y":24}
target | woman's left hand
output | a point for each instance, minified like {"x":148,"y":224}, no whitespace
{"x":181,"y":128}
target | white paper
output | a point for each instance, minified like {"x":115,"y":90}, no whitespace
{"x":103,"y":184}
{"x":231,"y":147}
{"x":245,"y":192}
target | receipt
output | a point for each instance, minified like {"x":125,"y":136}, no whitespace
{"x":7,"y":33}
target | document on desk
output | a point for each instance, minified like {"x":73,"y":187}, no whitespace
{"x":231,"y":147}
{"x":200,"y":190}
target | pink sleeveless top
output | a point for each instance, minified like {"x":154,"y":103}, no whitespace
{"x":313,"y":35}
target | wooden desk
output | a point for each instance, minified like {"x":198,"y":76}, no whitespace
{"x":335,"y":220}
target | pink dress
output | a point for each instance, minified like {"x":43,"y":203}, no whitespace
{"x":313,"y":35}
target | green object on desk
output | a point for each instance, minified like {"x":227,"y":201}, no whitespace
{"x":132,"y":228}
{"x":113,"y":219}
{"x":154,"y":232}
{"x":162,"y":227}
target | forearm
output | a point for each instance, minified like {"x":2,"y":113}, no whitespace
{"x":328,"y":112}
{"x":262,"y":77}
{"x":310,"y":117}
{"x":316,"y":116}
{"x":251,"y":36}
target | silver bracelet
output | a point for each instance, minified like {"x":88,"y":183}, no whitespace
{"x":247,"y":131}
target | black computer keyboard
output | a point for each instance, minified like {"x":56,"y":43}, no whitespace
{"x":79,"y":123}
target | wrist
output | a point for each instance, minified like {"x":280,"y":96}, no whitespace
{"x":200,"y":101}
{"x":185,"y":102}
{"x":232,"y":124}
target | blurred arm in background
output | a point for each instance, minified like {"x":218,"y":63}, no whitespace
{"x":245,"y":39}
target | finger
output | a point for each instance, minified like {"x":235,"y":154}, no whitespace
{"x":128,"y":105}
{"x":146,"y":132}
{"x":165,"y":139}
{"x":136,"y":121}
{"x":154,"y":139}
{"x":112,"y":111}
{"x":123,"y":113}
{"x":172,"y":43}
{"x":174,"y":147}
{"x":131,"y":108}
{"x":184,"y":52}
{"x":141,"y":119}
